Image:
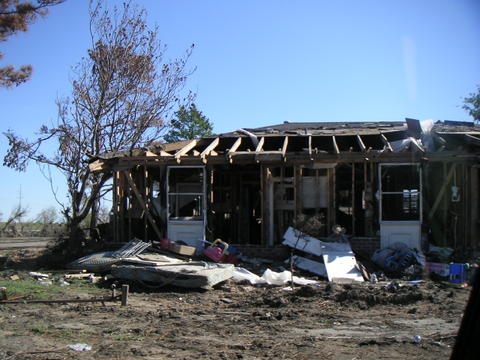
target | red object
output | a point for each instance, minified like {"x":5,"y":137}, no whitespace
{"x":166,"y":243}
{"x":213,"y":252}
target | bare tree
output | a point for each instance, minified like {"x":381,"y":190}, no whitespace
{"x":16,"y":16}
{"x":122,"y":94}
{"x":47,"y":216}
{"x":16,"y":215}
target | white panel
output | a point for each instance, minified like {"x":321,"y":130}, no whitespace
{"x":341,"y":266}
{"x":407,"y":233}
{"x":190,"y":233}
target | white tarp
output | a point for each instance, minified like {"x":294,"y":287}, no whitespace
{"x":269,"y":277}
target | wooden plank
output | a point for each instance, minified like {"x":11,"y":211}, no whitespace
{"x":360,"y":143}
{"x":284,"y":147}
{"x":353,"y":199}
{"x":209,"y":149}
{"x":298,"y":191}
{"x":129,"y":178}
{"x":185,"y":149}
{"x":335,"y":146}
{"x":472,"y":139}
{"x":260,"y":144}
{"x":97,"y":165}
{"x":474,"y":199}
{"x":386,"y":142}
{"x":234,"y":147}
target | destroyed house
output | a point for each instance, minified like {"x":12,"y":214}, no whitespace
{"x":383,"y":182}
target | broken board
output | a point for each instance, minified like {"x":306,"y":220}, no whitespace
{"x":341,"y":266}
{"x":312,"y":266}
{"x":303,"y":242}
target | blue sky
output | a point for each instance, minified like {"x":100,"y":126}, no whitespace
{"x":265,"y":62}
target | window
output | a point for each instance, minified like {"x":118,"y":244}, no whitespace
{"x":400,"y":192}
{"x":185,"y":193}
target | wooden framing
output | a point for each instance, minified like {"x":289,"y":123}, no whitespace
{"x":386,"y":142}
{"x":284,"y":147}
{"x":310,"y":146}
{"x":142,"y":203}
{"x":234,"y":148}
{"x":185,"y":149}
{"x":302,"y":151}
{"x":472,"y":139}
{"x":209,"y":149}
{"x":335,"y":146}
{"x":260,"y":144}
{"x":361,"y":144}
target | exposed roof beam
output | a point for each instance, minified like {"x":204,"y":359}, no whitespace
{"x":472,"y":139}
{"x":360,"y":143}
{"x":335,"y":146}
{"x":284,"y":147}
{"x":185,"y":149}
{"x":234,"y":147}
{"x":209,"y":149}
{"x":260,"y":144}
{"x":386,"y":142}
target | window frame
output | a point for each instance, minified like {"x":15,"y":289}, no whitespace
{"x":381,"y":193}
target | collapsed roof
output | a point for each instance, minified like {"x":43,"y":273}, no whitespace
{"x":308,"y":141}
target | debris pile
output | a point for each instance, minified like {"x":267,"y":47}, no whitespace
{"x":339,"y":263}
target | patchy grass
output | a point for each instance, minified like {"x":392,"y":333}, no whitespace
{"x":35,"y":290}
{"x":41,"y":330}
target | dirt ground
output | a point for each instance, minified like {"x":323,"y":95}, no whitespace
{"x":238,"y":321}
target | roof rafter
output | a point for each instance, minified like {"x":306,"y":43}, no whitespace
{"x":386,"y":142}
{"x":185,"y":149}
{"x":335,"y":145}
{"x":209,"y":149}
{"x":360,"y":143}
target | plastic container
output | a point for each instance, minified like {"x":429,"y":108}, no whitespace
{"x":214,"y":252}
{"x":458,"y":274}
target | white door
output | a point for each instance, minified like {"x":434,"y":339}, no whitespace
{"x":400,"y":199}
{"x":186,"y":205}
